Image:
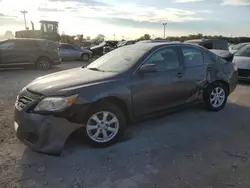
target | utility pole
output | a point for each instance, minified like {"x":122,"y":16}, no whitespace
{"x":24,"y":12}
{"x":164,"y":26}
{"x":114,"y":36}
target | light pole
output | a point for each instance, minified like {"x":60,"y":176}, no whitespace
{"x":164,"y":26}
{"x":24,"y":12}
{"x":114,"y":36}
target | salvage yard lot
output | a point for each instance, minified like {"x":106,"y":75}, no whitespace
{"x":187,"y":149}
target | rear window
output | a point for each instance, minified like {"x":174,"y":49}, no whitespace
{"x":25,"y":44}
{"x":208,"y":45}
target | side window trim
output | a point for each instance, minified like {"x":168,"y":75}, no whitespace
{"x":163,"y":48}
{"x":194,"y":47}
{"x":154,"y":51}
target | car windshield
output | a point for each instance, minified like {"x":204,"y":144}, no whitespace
{"x":121,"y":43}
{"x":102,"y":44}
{"x":239,"y":46}
{"x":119,"y":60}
{"x":244,"y":51}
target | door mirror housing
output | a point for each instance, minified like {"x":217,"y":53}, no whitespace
{"x":147,"y":68}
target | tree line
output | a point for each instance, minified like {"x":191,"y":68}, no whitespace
{"x":233,"y":40}
{"x":101,"y":37}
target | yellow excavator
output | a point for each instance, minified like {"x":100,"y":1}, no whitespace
{"x":49,"y":31}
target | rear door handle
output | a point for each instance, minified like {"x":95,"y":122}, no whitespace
{"x":179,"y":75}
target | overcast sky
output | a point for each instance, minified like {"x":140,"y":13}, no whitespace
{"x":131,"y":18}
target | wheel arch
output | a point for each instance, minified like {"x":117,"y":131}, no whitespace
{"x":224,"y":83}
{"x":43,"y":56}
{"x":117,"y":101}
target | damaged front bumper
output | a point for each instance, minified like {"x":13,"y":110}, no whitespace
{"x":43,"y":133}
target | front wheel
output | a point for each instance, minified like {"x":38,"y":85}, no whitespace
{"x":104,"y":125}
{"x":215,"y":96}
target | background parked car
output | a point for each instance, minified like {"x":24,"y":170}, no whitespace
{"x":125,"y":43}
{"x":153,"y":41}
{"x":73,"y":52}
{"x":104,"y":47}
{"x":225,"y":54}
{"x":242,"y":61}
{"x":218,"y":44}
{"x":237,"y":47}
{"x":22,"y":52}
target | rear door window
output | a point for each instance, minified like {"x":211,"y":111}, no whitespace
{"x":66,"y":46}
{"x":192,"y":56}
{"x":245,"y":51}
{"x":164,"y":59}
{"x":208,"y":45}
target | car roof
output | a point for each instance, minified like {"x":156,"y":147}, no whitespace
{"x":150,"y":46}
{"x":202,"y":40}
{"x":153,"y":41}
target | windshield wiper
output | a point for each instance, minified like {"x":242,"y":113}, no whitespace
{"x":95,"y":69}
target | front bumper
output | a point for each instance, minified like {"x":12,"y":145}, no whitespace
{"x":43,"y":133}
{"x":244,"y":74}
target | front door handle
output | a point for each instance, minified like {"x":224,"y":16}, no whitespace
{"x":179,"y":75}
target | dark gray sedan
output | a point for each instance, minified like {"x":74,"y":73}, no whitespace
{"x":73,"y":52}
{"x":127,"y":84}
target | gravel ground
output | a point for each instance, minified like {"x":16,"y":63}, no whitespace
{"x":188,"y":149}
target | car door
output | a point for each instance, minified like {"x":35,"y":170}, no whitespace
{"x":68,"y":52}
{"x":26,"y":51}
{"x":152,"y":92}
{"x":22,"y":52}
{"x":195,"y":71}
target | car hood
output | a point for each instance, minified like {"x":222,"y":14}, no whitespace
{"x":242,"y":62}
{"x":66,"y":82}
{"x":96,"y":47}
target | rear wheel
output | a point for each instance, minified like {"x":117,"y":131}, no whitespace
{"x":43,"y":63}
{"x":104,"y":124}
{"x":85,"y":57}
{"x":215,"y":96}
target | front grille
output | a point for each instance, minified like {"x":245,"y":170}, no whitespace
{"x":23,"y":102}
{"x":243,"y":73}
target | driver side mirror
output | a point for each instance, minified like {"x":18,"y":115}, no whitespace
{"x":147,"y":68}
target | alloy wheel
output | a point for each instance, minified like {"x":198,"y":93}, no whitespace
{"x":43,"y":64}
{"x":85,"y":57}
{"x":102,"y":126}
{"x":217,"y":97}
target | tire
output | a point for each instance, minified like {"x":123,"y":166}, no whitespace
{"x":215,"y":96}
{"x":101,"y":133}
{"x":85,"y":57}
{"x":43,"y":63}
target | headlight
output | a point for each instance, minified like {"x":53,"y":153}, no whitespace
{"x":55,"y":104}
